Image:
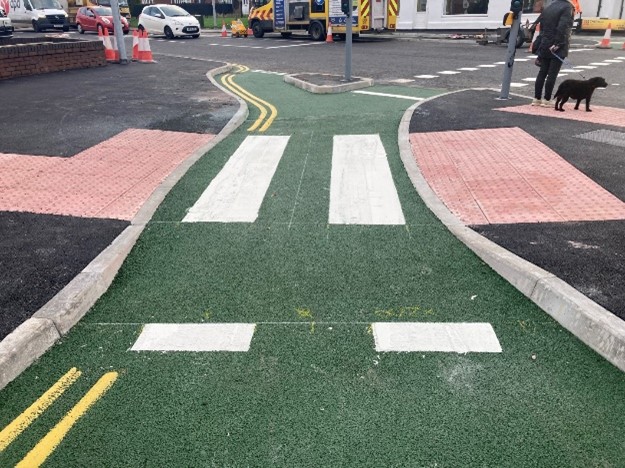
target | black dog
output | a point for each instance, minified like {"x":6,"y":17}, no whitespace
{"x":578,"y":89}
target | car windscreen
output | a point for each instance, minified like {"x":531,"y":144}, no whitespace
{"x":103,"y":11}
{"x":47,"y":4}
{"x":172,"y":10}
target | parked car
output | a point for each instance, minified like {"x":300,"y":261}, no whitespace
{"x":170,"y":20}
{"x":6,"y":27}
{"x":98,"y":18}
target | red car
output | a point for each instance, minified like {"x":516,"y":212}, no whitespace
{"x":96,"y":18}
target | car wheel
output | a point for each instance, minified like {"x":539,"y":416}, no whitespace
{"x":257,"y":29}
{"x":80,"y":29}
{"x":36,"y":27}
{"x":316,"y":31}
{"x":169,"y":34}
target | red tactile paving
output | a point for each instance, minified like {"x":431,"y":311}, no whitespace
{"x":599,"y":115}
{"x":110,"y":180}
{"x":482,"y":181}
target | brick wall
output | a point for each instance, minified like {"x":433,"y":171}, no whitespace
{"x":24,"y":57}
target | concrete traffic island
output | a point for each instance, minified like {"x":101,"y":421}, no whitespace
{"x":321,"y":83}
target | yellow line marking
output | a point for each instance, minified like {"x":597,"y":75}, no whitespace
{"x":52,"y":439}
{"x":228,"y":81}
{"x":19,"y":424}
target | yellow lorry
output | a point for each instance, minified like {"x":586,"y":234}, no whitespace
{"x":315,"y":16}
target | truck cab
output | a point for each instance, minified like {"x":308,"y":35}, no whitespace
{"x":39,"y":14}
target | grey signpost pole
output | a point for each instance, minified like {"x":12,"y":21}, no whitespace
{"x":119,"y":34}
{"x":214,"y":16}
{"x":348,"y":41}
{"x":507,"y":71}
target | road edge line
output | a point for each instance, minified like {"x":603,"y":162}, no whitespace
{"x":594,"y":325}
{"x":29,"y":341}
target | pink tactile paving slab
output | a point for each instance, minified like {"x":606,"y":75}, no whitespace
{"x":599,"y":115}
{"x":109,"y":180}
{"x":482,"y":181}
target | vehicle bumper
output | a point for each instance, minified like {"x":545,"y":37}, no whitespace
{"x":187,"y":30}
{"x":6,"y":31}
{"x":45,"y":23}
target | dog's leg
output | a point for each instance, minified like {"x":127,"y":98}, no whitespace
{"x":577,"y":105}
{"x":562,"y":102}
{"x":588,"y":104}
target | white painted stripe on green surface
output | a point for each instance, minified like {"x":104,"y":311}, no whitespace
{"x":435,"y":337}
{"x":397,"y":96}
{"x":237,"y":192}
{"x":197,"y":337}
{"x":362,"y":190}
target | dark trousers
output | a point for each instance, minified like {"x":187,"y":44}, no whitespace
{"x":549,"y":69}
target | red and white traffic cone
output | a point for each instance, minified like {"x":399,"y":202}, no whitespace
{"x":135,"y":45}
{"x":145,"y":53}
{"x":605,"y":42}
{"x":224,"y":32}
{"x":109,"y":52}
{"x":329,"y":36}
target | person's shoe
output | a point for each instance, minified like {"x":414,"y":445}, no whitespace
{"x":546,"y":103}
{"x":537,"y":102}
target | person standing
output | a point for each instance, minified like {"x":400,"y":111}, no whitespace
{"x":556,"y":22}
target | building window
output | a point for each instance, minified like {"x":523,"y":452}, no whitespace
{"x":421,"y":5}
{"x":466,"y":7}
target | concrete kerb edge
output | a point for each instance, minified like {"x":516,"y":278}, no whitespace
{"x":328,"y":89}
{"x":591,"y":323}
{"x":35,"y":336}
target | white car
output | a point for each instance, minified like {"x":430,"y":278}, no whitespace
{"x":6,"y":27}
{"x":170,"y":20}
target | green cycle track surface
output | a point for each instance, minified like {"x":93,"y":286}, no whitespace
{"x":312,"y":390}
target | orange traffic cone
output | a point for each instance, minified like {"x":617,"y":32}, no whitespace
{"x":605,"y":42}
{"x":145,"y":53}
{"x":224,"y":33}
{"x":536,"y":34}
{"x":251,"y":33}
{"x":109,"y":52}
{"x":135,"y":45}
{"x":329,"y":36}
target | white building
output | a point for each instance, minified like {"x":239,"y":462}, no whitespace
{"x":477,"y":15}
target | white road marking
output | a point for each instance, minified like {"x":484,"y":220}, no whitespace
{"x":488,"y":65}
{"x":197,"y":337}
{"x":426,"y":77}
{"x":398,"y":96}
{"x":237,"y":192}
{"x":435,"y":337}
{"x":585,"y":67}
{"x":401,"y":80}
{"x":560,"y":75}
{"x":467,"y":69}
{"x":500,"y":63}
{"x":448,"y":72}
{"x":568,"y":70}
{"x":517,"y":85}
{"x":601,"y":64}
{"x":521,"y":60}
{"x":296,"y":45}
{"x":529,"y":79}
{"x":362,"y":190}
{"x":613,"y":61}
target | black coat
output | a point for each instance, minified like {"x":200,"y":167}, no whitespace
{"x":556,"y":22}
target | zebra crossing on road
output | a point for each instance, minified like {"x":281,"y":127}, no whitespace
{"x":362,"y":190}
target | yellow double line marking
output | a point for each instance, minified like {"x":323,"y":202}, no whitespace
{"x":52,"y":439}
{"x":228,"y":81}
